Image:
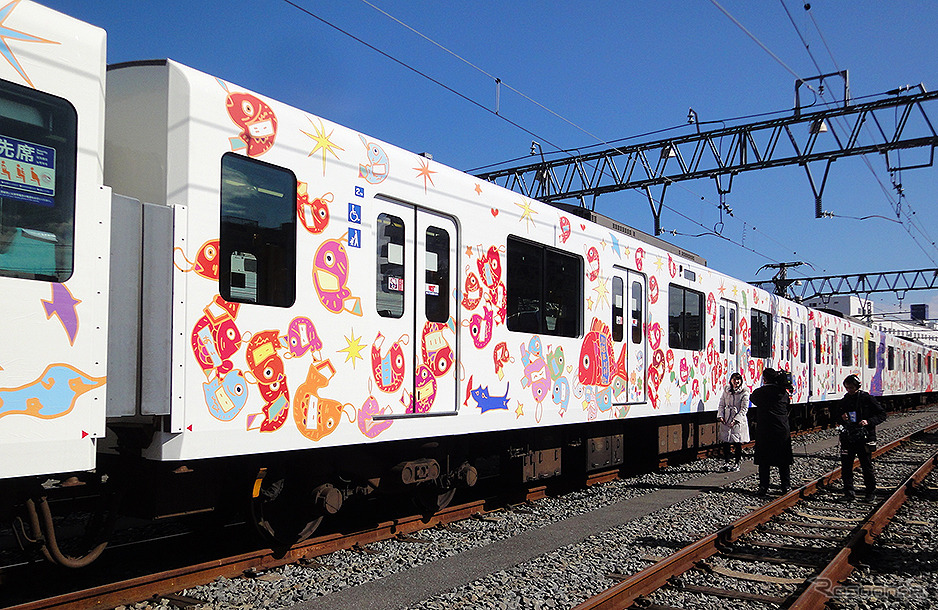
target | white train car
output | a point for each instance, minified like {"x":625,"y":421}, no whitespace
{"x":274,"y":297}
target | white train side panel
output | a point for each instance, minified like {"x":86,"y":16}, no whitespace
{"x":54,"y":227}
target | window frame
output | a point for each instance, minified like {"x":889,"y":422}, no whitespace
{"x":763,"y":337}
{"x":682,"y":338}
{"x":545,"y":285}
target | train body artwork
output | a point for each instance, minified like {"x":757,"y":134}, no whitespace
{"x":196,"y":275}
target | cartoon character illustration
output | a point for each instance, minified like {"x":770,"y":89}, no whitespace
{"x":639,"y":258}
{"x":276,"y":407}
{"x":472,"y":291}
{"x":226,"y":396}
{"x":262,"y":358}
{"x":435,"y":349}
{"x":652,"y":290}
{"x":501,"y":357}
{"x":592,"y":263}
{"x":301,"y":337}
{"x":555,"y":362}
{"x":206,"y":260}
{"x":480,"y":327}
{"x":388,"y":370}
{"x":215,"y":337}
{"x":366,"y":418}
{"x":564,"y":229}
{"x":424,"y":390}
{"x":50,"y":396}
{"x":490,"y":267}
{"x":597,"y":364}
{"x":313,"y":215}
{"x":536,"y":374}
{"x":489,"y":403}
{"x":376,"y":170}
{"x":560,"y":394}
{"x":310,"y":408}
{"x":257,"y":122}
{"x":330,"y":274}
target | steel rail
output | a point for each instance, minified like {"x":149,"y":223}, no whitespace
{"x":654,"y":577}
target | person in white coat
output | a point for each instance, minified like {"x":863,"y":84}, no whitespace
{"x":733,"y":427}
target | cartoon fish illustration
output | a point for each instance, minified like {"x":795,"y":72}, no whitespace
{"x":50,"y":396}
{"x":262,"y":357}
{"x":257,"y":122}
{"x":472,"y":291}
{"x":276,"y":397}
{"x":313,"y":215}
{"x":501,"y":356}
{"x":480,"y":327}
{"x":301,"y":337}
{"x":330,"y":275}
{"x":536,"y":375}
{"x":376,"y":170}
{"x":317,"y":417}
{"x":490,"y":267}
{"x":560,"y":394}
{"x":597,"y":364}
{"x":366,"y":418}
{"x":564,"y":229}
{"x":225,"y":397}
{"x":555,"y":362}
{"x":424,"y":390}
{"x":435,"y":349}
{"x":592,"y":263}
{"x":388,"y":370}
{"x":215,"y":337}
{"x":206,"y":260}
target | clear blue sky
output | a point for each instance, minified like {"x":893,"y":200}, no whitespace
{"x":614,"y":69}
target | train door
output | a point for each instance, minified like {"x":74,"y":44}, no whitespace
{"x":416,"y":339}
{"x":729,"y":318}
{"x":784,"y":347}
{"x":628,"y":331}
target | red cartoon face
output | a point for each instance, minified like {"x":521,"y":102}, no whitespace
{"x":388,"y":370}
{"x":437,"y":354}
{"x":206,"y":261}
{"x":501,"y":357}
{"x":313,"y":215}
{"x":472,"y":291}
{"x":639,"y":258}
{"x":256,"y":119}
{"x":480,"y":327}
{"x":652,"y":290}
{"x":490,"y":267}
{"x":262,"y":357}
{"x":564,"y":229}
{"x":592,"y":263}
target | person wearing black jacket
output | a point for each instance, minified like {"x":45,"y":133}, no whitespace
{"x":858,"y":413}
{"x":773,"y":432}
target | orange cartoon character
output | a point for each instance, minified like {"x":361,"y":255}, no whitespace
{"x":317,"y":417}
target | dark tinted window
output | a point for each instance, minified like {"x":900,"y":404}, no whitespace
{"x":618,"y":308}
{"x":685,"y":318}
{"x":544,"y":289}
{"x":257,"y":241}
{"x":761,"y":324}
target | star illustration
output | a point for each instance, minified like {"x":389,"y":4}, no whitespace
{"x":478,"y":189}
{"x":589,"y":302}
{"x":520,"y":410}
{"x":469,"y":251}
{"x":659,"y":263}
{"x":65,"y":306}
{"x":425,"y":171}
{"x":353,"y":348}
{"x":627,"y":251}
{"x":602,"y":243}
{"x":526,"y":214}
{"x":734,"y":291}
{"x":602,"y":291}
{"x":722,"y":288}
{"x":322,"y":142}
{"x":8,"y":33}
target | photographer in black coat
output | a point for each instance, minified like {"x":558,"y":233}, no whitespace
{"x":773,"y":432}
{"x":858,"y":413}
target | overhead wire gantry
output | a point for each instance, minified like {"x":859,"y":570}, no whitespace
{"x":899,"y":120}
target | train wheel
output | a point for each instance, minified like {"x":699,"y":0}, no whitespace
{"x":280,"y":509}
{"x":431,"y":498}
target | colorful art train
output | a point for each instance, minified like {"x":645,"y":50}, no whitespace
{"x":207,"y":291}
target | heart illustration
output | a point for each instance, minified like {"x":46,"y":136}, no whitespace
{"x":494,"y":212}
{"x":582,"y":227}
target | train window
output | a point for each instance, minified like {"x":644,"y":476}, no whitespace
{"x":722,"y":329}
{"x":871,"y":354}
{"x":257,"y":240}
{"x":846,"y":350}
{"x":437,"y":288}
{"x":761,"y":325}
{"x":817,"y":346}
{"x":389,"y":288}
{"x":732,"y":330}
{"x":38,"y":135}
{"x":638,"y":325}
{"x":891,"y":358}
{"x":803,"y":343}
{"x":544,"y":289}
{"x":919,"y":368}
{"x":618,"y":309}
{"x":685,"y":318}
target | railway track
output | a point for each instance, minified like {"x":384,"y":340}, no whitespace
{"x":803,"y":530}
{"x":400,"y":533}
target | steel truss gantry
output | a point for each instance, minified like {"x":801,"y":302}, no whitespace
{"x":899,"y":120}
{"x":899,"y":282}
